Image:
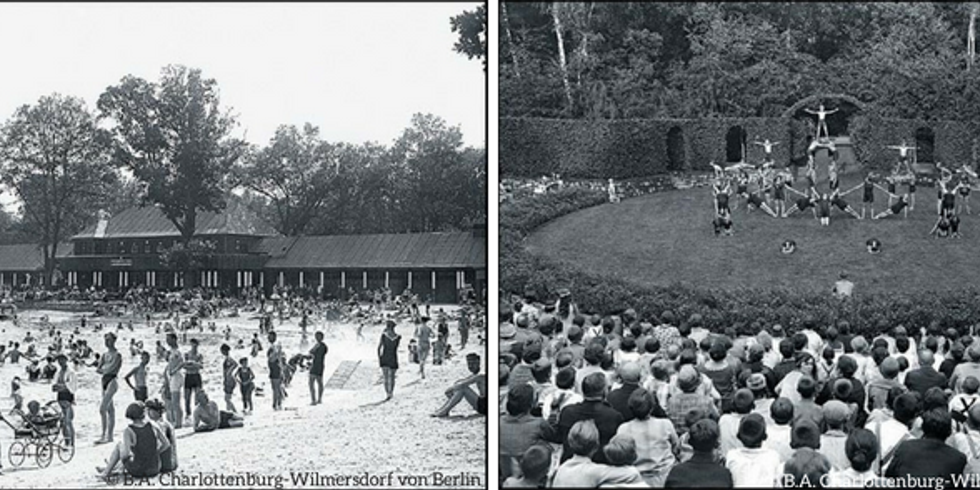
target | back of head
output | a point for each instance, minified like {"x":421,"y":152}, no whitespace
{"x":807,"y":464}
{"x":799,"y":341}
{"x":640,"y":404}
{"x":752,"y":430}
{"x":781,"y":411}
{"x":593,"y":354}
{"x":583,"y":438}
{"x":970,"y":385}
{"x":718,"y":352}
{"x":847,"y":366}
{"x":933,"y":398}
{"x":937,"y":424}
{"x":906,"y":407}
{"x":861,"y":449}
{"x":805,"y":433}
{"x":743,"y":401}
{"x":520,"y":399}
{"x":806,"y":387}
{"x":565,"y":379}
{"x":703,"y":435}
{"x":536,"y":462}
{"x":652,"y":345}
{"x":786,"y":348}
{"x":630,"y":372}
{"x":621,"y":450}
{"x":594,"y":386}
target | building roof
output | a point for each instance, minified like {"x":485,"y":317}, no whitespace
{"x":27,"y":257}
{"x":149,"y":221}
{"x":416,"y":250}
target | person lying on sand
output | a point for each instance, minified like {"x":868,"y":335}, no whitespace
{"x":207,"y":416}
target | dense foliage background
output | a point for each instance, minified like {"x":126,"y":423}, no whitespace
{"x":687,"y":60}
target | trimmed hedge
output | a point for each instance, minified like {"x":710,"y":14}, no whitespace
{"x":630,"y":148}
{"x":625,"y":148}
{"x":745,"y":309}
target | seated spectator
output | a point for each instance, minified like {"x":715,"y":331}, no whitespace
{"x":861,"y":449}
{"x":805,"y":434}
{"x":688,"y":380}
{"x":579,"y":470}
{"x":833,"y":442}
{"x":779,"y":434}
{"x":925,"y":376}
{"x":754,"y":465}
{"x":743,"y":403}
{"x":519,"y":430}
{"x":722,"y":373}
{"x":968,"y":441}
{"x":593,"y":407}
{"x":965,"y":369}
{"x":806,"y":408}
{"x":535,"y":463}
{"x":656,"y":440}
{"x":893,"y":426}
{"x":929,"y":456}
{"x":703,"y":469}
{"x":629,"y":375}
{"x":760,"y":393}
{"x":878,"y":389}
{"x":961,"y":403}
{"x":807,"y":468}
{"x":621,"y":454}
{"x":563,"y":395}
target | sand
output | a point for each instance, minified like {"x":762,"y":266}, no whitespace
{"x":353,"y":439}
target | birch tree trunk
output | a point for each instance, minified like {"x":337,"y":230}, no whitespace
{"x":562,"y":62}
{"x":510,"y":39}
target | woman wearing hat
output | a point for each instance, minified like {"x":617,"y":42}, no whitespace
{"x":139,"y":452}
{"x":388,"y":356}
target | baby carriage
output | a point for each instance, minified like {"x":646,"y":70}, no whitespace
{"x":38,"y":434}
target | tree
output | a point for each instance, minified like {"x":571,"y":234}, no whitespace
{"x":55,"y":159}
{"x":472,"y":29}
{"x":295,"y":173}
{"x":175,"y":138}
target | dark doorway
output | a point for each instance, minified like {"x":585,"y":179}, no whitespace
{"x":735,"y":142}
{"x":675,"y":149}
{"x":925,"y":142}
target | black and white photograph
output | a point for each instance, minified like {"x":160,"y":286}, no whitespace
{"x":737,"y":246}
{"x":244,"y":245}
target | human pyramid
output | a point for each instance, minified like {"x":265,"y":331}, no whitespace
{"x":767,"y":188}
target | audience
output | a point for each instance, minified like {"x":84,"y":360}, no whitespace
{"x":658,"y":401}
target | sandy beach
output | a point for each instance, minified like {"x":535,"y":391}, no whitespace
{"x":353,"y":439}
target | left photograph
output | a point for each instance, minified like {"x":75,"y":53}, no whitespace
{"x":243,"y":245}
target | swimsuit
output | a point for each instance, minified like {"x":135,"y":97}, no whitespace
{"x":869,"y":192}
{"x":803,"y":203}
{"x":824,"y":208}
{"x":722,"y":201}
{"x":755,"y":200}
{"x":840,"y":203}
{"x":898,"y":207}
{"x":780,"y":192}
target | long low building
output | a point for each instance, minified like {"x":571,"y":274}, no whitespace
{"x":129,"y":249}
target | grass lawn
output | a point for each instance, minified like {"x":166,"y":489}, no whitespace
{"x":666,"y":238}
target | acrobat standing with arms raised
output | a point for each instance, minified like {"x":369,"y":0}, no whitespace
{"x":821,"y":114}
{"x":903,"y":156}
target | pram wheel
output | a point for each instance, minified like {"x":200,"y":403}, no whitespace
{"x":66,"y":452}
{"x":45,"y":453}
{"x":16,"y":453}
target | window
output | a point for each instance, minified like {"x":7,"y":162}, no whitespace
{"x":122,"y":247}
{"x":146,"y":247}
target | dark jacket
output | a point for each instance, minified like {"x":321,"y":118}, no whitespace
{"x":923,"y":378}
{"x":619,"y":400}
{"x":926,"y":457}
{"x":701,"y":471}
{"x":606,"y":419}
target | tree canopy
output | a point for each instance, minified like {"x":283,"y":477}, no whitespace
{"x":636,"y":60}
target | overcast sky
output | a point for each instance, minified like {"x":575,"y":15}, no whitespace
{"x":357,"y":71}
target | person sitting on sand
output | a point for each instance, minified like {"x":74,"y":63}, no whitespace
{"x":208,"y":417}
{"x":168,"y":459}
{"x":461,"y":389}
{"x":138,"y":454}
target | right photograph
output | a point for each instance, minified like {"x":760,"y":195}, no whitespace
{"x":737,"y":247}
